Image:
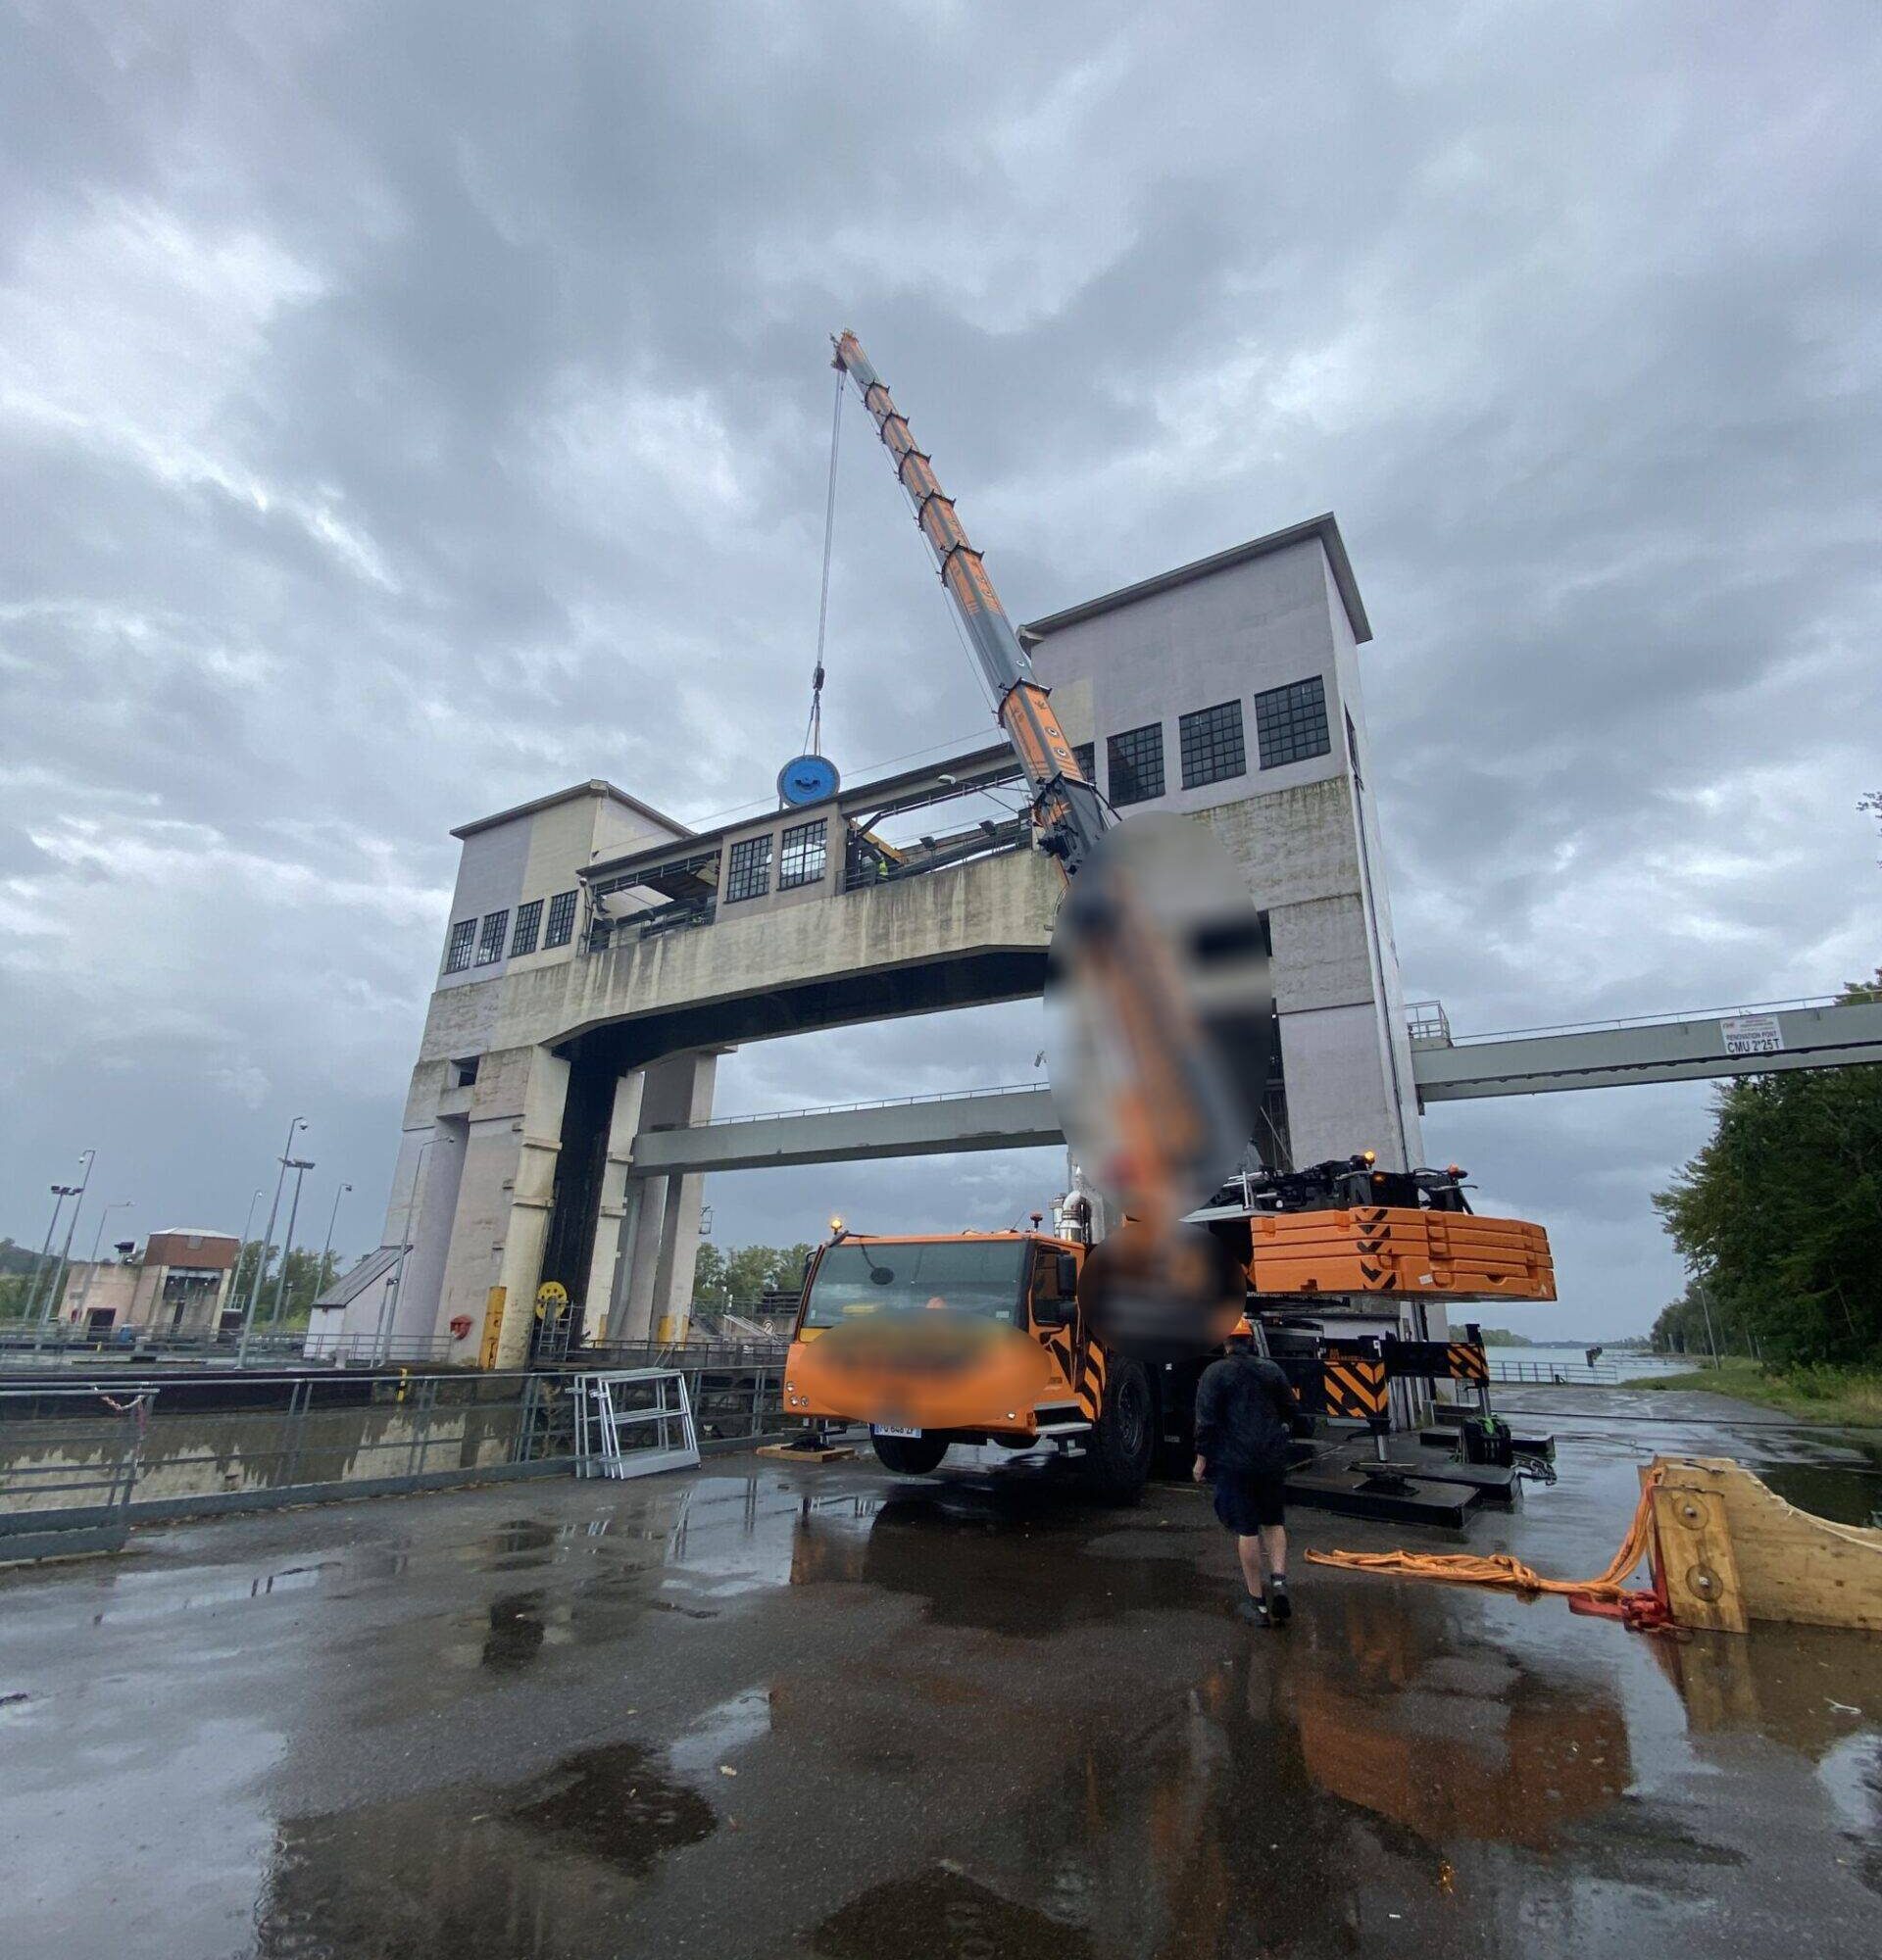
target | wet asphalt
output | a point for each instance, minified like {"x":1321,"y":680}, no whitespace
{"x":764,"y":1710}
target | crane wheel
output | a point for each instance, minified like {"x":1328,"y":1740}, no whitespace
{"x":910,"y":1455}
{"x":1123,"y":1441}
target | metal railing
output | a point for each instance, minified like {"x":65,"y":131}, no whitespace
{"x":988,"y":839}
{"x":81,"y":1461}
{"x":131,"y":1346}
{"x":1426,"y":1020}
{"x":1557,"y":1374}
{"x":874,"y":1102}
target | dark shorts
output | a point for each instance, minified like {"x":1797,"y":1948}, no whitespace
{"x":1247,"y":1501}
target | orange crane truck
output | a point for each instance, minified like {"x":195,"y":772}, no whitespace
{"x":984,"y":1337}
{"x":979,"y":1338}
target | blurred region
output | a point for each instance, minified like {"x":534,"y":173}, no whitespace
{"x":923,"y":1367}
{"x":1161,"y":1295}
{"x":1160,"y":1015}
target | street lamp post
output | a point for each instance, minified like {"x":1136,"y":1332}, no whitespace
{"x":241,"y":1247}
{"x":333,"y":1218}
{"x":389,"y":1304}
{"x":60,"y":1193}
{"x":88,"y":1159}
{"x":268,"y":1239}
{"x":300,"y":1167}
{"x":97,"y":1238}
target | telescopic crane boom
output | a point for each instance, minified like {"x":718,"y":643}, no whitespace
{"x":1071,"y":812}
{"x":1168,"y":1107}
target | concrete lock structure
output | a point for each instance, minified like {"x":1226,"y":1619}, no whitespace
{"x":601,"y":956}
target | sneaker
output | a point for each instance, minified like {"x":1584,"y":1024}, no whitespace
{"x":1280,"y":1608}
{"x":1251,"y":1610}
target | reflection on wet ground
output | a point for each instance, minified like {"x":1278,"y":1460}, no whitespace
{"x":767,"y":1710}
{"x":549,"y":1867}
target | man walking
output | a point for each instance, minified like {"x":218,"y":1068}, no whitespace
{"x":1244,"y":1424}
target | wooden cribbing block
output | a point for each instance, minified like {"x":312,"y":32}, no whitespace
{"x":797,"y":1452}
{"x":1732,"y":1551}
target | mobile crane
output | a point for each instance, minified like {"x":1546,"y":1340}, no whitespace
{"x":1013,"y":1357}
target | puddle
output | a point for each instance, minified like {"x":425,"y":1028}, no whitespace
{"x":1844,"y":1494}
{"x":516,"y":1632}
{"x":513,"y":1547}
{"x":944,"y":1915}
{"x":549,"y":1867}
{"x":954,"y":1547}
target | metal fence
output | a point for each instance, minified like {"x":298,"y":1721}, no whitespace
{"x":57,"y":1346}
{"x":1558,"y":1374}
{"x":81,"y":1461}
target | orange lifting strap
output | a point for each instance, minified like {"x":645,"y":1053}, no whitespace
{"x":1607,"y":1596}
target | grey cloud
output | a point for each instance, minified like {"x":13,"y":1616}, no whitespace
{"x":415,"y":409}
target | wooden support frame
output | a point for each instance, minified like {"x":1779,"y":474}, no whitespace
{"x":1729,"y":1551}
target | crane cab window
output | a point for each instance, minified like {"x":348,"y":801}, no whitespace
{"x":860,"y":1280}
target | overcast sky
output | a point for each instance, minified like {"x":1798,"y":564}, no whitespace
{"x":405,"y":410}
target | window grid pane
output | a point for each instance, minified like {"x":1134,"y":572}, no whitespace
{"x":1085,"y":754}
{"x":1211,"y":741}
{"x":1134,"y":762}
{"x":800,"y":856}
{"x":528,"y":924}
{"x":562,"y":921}
{"x":490,"y":944}
{"x":457,"y":956}
{"x":1290,"y":722}
{"x":751,"y":869}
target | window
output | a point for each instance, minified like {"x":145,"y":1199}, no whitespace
{"x":1290,"y":722}
{"x":1134,"y":762}
{"x":457,"y":954}
{"x":562,"y":921}
{"x":1353,"y":751}
{"x":986,"y":1277}
{"x":529,"y":925}
{"x":1211,"y":741}
{"x":490,"y":944}
{"x":464,"y":1071}
{"x":800,"y":855}
{"x":751,"y":869}
{"x":1085,"y":754}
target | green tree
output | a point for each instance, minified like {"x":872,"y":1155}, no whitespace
{"x":306,"y":1278}
{"x":1779,"y":1217}
{"x":743,"y":1275}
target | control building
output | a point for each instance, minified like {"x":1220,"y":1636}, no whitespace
{"x":600,"y":957}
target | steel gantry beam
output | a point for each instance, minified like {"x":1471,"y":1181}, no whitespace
{"x":1531,"y":1063}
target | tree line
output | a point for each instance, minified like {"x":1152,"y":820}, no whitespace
{"x":1779,"y":1219}
{"x":743,"y":1275}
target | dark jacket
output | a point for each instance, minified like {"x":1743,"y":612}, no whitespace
{"x":1243,"y":1417}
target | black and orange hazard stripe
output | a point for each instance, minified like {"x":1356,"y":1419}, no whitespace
{"x":1082,"y":1364}
{"x":1467,"y":1360}
{"x":1354,"y":1387}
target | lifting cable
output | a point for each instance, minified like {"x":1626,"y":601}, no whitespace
{"x":814,"y":729}
{"x":1643,"y":1610}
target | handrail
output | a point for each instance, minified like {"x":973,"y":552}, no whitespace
{"x":874,"y":1103}
{"x":1663,"y":1020}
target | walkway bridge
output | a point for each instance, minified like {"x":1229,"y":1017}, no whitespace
{"x":1825,"y":1033}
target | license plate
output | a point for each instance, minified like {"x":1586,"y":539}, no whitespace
{"x":891,"y":1429}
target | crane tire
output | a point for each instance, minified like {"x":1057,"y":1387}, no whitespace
{"x":910,"y":1455}
{"x":1122,"y":1443}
